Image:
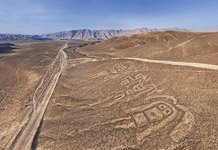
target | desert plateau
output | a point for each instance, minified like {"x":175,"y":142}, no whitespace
{"x":146,"y":91}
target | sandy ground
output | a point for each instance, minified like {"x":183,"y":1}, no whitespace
{"x":107,"y":96}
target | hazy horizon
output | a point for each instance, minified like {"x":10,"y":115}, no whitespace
{"x":48,"y":16}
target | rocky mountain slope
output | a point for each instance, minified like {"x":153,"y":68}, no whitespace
{"x":82,"y":34}
{"x":87,"y":34}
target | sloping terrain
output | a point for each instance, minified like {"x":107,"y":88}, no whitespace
{"x":144,"y":92}
{"x":127,"y":104}
{"x":169,"y":45}
{"x":113,"y":98}
{"x":21,"y":73}
{"x":87,"y":34}
{"x":82,"y":34}
{"x":6,"y":47}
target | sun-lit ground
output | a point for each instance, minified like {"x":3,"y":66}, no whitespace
{"x":104,"y":101}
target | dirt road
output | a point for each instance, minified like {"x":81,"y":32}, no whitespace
{"x":41,"y":100}
{"x":45,"y":90}
{"x":175,"y":63}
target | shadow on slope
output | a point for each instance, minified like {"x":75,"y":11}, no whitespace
{"x":7,"y":48}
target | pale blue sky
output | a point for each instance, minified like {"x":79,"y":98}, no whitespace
{"x":46,"y":16}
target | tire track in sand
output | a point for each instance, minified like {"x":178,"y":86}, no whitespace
{"x":25,"y":138}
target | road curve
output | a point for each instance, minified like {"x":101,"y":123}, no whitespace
{"x":174,"y":63}
{"x":25,"y":139}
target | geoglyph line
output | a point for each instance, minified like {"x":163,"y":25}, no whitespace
{"x":158,"y":114}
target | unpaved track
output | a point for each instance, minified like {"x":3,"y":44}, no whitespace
{"x":24,"y":141}
{"x":174,"y":63}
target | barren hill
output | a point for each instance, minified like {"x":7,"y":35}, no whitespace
{"x":144,"y":92}
{"x":168,"y":45}
{"x":87,"y":34}
{"x":82,"y":34}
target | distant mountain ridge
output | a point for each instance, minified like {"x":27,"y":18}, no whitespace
{"x":20,"y":37}
{"x":87,"y":34}
{"x":83,"y":34}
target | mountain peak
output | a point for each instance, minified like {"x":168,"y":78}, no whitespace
{"x":85,"y":34}
{"x":88,"y":34}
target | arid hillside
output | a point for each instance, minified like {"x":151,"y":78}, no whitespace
{"x":22,"y":66}
{"x":169,"y":45}
{"x":87,"y":34}
{"x":157,"y":91}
